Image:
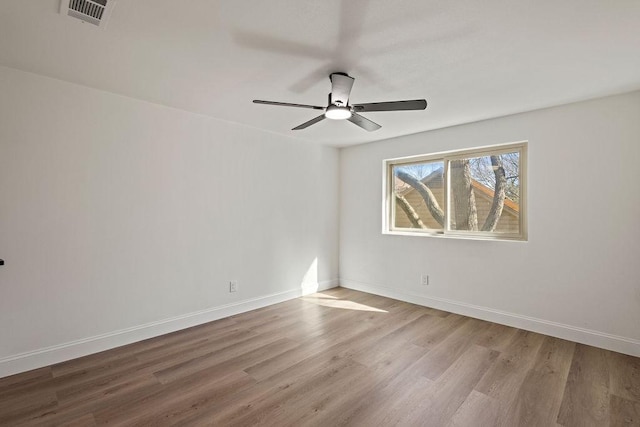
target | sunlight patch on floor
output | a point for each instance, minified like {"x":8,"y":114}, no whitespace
{"x":320,"y":295}
{"x":333,"y":302}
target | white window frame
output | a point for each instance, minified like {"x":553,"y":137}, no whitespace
{"x":388,"y":208}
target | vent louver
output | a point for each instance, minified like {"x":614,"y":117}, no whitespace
{"x":92,"y":11}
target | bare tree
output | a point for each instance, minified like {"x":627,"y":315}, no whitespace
{"x":464,"y":204}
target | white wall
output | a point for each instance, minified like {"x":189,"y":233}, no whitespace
{"x":577,"y":277}
{"x":117,"y":214}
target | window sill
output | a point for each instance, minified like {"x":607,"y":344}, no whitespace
{"x":459,"y":236}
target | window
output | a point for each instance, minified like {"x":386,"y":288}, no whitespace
{"x":477,"y":193}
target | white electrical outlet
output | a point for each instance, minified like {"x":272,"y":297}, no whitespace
{"x":233,"y":286}
{"x":424,"y":279}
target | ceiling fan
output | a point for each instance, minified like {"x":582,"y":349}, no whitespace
{"x":340,"y":109}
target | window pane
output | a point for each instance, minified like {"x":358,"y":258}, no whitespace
{"x":419,"y":195}
{"x":485,"y":193}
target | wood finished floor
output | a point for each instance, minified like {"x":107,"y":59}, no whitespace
{"x":339,"y":357}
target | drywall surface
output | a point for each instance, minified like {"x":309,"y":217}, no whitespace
{"x":578,"y":276}
{"x":117,"y":213}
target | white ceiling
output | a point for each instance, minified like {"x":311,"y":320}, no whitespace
{"x":470,"y":59}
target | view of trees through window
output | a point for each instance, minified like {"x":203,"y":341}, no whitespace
{"x":482,"y":193}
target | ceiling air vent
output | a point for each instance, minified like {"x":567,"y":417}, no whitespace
{"x":94,"y":12}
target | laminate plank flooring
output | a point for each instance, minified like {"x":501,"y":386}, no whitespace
{"x":338,"y":357}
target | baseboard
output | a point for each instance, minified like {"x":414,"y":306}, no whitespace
{"x":572,"y":333}
{"x":59,"y":353}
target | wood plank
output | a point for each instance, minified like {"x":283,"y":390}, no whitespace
{"x":477,"y":410}
{"x":391,"y":403}
{"x":24,"y":379}
{"x":625,"y":376}
{"x":104,"y":387}
{"x":82,"y":421}
{"x":230,"y":358}
{"x":363,"y":390}
{"x":454,"y":345}
{"x":284,"y":403}
{"x":497,"y":337}
{"x":226,"y":362}
{"x":390,"y":340}
{"x":624,"y":412}
{"x":22,"y":407}
{"x":190,"y":394}
{"x":314,"y":403}
{"x":537,"y":402}
{"x":439,"y":330}
{"x":503,"y":380}
{"x":452,"y":388}
{"x":586,"y":397}
{"x":70,"y":411}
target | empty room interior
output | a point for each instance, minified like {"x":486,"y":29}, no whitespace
{"x":293,"y":213}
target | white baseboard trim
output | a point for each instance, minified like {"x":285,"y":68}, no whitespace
{"x":616,"y":343}
{"x":59,"y":353}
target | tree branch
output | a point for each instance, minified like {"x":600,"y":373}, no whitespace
{"x":427,"y":195}
{"x":411,"y":212}
{"x":464,"y":200}
{"x":498,"y":195}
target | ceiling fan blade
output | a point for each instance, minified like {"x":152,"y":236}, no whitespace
{"x":415,"y":104}
{"x":287,"y":104}
{"x":310,"y":122}
{"x":363,"y":122}
{"x":341,"y":85}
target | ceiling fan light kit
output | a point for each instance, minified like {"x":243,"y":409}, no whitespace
{"x":334,"y":112}
{"x":339,"y":108}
